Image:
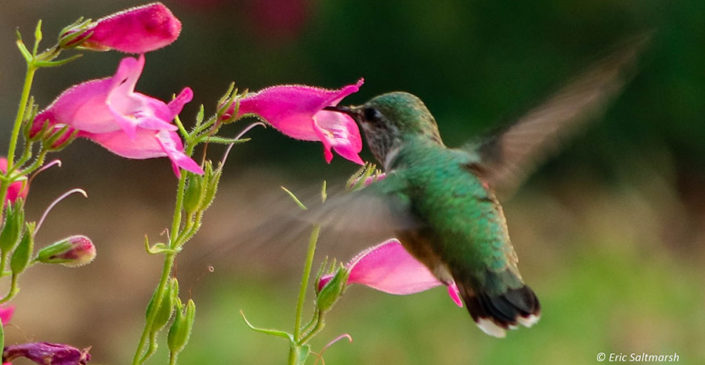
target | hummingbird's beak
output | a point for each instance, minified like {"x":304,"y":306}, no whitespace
{"x":352,"y":111}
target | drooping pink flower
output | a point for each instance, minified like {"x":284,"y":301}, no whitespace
{"x":297,"y":111}
{"x":46,"y":353}
{"x":389,"y":268}
{"x":18,"y":189}
{"x":136,"y":30}
{"x":127,"y":123}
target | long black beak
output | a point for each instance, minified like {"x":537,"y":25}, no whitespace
{"x":352,"y":111}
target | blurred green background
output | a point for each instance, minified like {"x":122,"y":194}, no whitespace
{"x":610,"y":232}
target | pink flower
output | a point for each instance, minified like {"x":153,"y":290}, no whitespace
{"x":135,"y":30}
{"x":297,"y":111}
{"x":6,"y":312}
{"x":17,"y":189}
{"x":388,"y":267}
{"x":46,"y":353}
{"x":127,"y":123}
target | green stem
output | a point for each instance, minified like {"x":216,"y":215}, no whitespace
{"x":29,"y":77}
{"x":294,"y":358}
{"x":166,"y":271}
{"x":14,"y":136}
{"x":319,"y":326}
{"x":169,"y":258}
{"x":304,"y":281}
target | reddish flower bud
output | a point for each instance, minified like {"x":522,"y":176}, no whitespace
{"x":17,"y":189}
{"x":72,"y":251}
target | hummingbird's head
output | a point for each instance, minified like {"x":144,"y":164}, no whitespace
{"x":390,"y":119}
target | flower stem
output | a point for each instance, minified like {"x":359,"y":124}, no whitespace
{"x":28,"y":79}
{"x":295,"y":351}
{"x":14,"y":136}
{"x":169,"y":258}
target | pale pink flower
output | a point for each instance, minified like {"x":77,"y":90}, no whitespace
{"x":297,"y":111}
{"x":136,"y":30}
{"x":389,"y":268}
{"x":127,"y":123}
{"x":17,"y":189}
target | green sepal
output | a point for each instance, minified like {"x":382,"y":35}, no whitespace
{"x":23,"y":253}
{"x":223,"y":140}
{"x":12,"y":227}
{"x":268,"y":331}
{"x":213,"y":178}
{"x":48,"y":254}
{"x":47,"y":64}
{"x":180,"y":330}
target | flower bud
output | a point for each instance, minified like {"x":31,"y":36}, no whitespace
{"x":17,"y":189}
{"x":330,"y":291}
{"x":12,"y":227}
{"x":136,"y":30}
{"x":23,"y":253}
{"x":180,"y":330}
{"x":72,"y":251}
{"x":193,"y":196}
{"x":47,"y":353}
{"x":164,"y":308}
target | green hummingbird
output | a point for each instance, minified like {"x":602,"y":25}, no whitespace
{"x":441,"y":202}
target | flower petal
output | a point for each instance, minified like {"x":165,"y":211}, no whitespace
{"x":340,"y":132}
{"x":146,"y":144}
{"x":388,"y":267}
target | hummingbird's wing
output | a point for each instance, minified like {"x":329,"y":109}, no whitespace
{"x":508,"y":157}
{"x":382,"y":208}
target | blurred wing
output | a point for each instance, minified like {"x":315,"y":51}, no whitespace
{"x":381,"y":209}
{"x":507,"y":158}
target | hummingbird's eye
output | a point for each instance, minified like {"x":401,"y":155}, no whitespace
{"x":372,"y":114}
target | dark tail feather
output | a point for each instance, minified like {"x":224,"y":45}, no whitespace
{"x":495,"y":313}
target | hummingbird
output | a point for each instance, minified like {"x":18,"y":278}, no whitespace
{"x":442,"y":203}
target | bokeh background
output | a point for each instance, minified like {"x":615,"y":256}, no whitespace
{"x":610,"y":231}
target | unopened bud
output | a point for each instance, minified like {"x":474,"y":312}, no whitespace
{"x":180,"y":330}
{"x":72,"y":251}
{"x":193,"y":196}
{"x":330,"y":291}
{"x":12,"y":227}
{"x":23,"y":253}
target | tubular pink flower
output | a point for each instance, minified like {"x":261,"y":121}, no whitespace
{"x":46,"y":353}
{"x":389,"y":268}
{"x":127,"y":123}
{"x":135,"y":30}
{"x":17,"y":189}
{"x":297,"y":111}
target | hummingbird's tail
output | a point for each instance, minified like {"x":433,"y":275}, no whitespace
{"x":494,"y":310}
